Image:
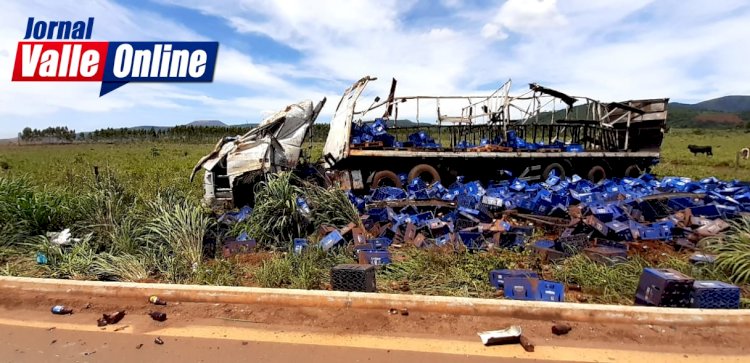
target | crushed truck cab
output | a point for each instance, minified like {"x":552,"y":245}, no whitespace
{"x":236,"y":163}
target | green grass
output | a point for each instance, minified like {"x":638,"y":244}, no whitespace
{"x":677,"y":160}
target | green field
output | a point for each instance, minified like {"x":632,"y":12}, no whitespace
{"x":150,"y":167}
{"x":141,"y":221}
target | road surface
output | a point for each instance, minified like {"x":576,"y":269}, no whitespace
{"x":200,"y":332}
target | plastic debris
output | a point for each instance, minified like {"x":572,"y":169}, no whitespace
{"x":61,"y":310}
{"x":510,"y":335}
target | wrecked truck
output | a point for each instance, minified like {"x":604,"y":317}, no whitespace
{"x":493,"y":137}
{"x":490,"y":137}
{"x":237,"y":163}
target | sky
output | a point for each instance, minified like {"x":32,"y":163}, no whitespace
{"x":273,"y":53}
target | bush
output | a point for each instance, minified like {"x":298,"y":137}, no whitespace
{"x":176,"y":230}
{"x":733,"y":251}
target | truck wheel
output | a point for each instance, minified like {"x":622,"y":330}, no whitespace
{"x":422,"y":169}
{"x":559,"y":171}
{"x":633,"y":171}
{"x":385,"y":178}
{"x":596,"y":174}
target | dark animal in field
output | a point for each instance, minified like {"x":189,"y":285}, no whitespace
{"x":695,"y":149}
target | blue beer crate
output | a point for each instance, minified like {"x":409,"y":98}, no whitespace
{"x":374,"y":257}
{"x":715,"y":295}
{"x":497,"y":277}
{"x":472,"y":240}
{"x":665,"y":287}
{"x":550,"y":291}
{"x":520,"y":288}
{"x":331,"y":239}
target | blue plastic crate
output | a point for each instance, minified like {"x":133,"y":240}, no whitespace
{"x":299,"y":245}
{"x":378,"y":214}
{"x":497,"y":277}
{"x":665,"y":287}
{"x":708,"y":211}
{"x":550,"y":291}
{"x":620,"y":230}
{"x":512,"y":239}
{"x":714,"y":295}
{"x":380,"y":242}
{"x":520,"y":288}
{"x":331,"y":240}
{"x":472,"y":240}
{"x":374,"y":257}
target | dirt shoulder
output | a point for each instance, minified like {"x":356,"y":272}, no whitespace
{"x":344,"y":322}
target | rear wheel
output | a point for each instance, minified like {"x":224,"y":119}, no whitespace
{"x":557,"y":168}
{"x":422,"y":171}
{"x":633,"y":171}
{"x":597,"y":173}
{"x":385,"y":178}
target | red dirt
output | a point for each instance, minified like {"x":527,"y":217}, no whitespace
{"x":23,"y":305}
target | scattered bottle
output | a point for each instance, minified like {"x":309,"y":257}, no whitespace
{"x":561,"y":329}
{"x":61,"y":310}
{"x":113,"y":318}
{"x":156,"y":301}
{"x":158,"y":341}
{"x":158,"y":316}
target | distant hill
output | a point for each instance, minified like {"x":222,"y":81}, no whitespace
{"x":722,"y":112}
{"x":728,"y":104}
{"x":207,"y":123}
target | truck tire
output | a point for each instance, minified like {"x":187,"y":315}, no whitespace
{"x":385,"y":175}
{"x":559,"y":171}
{"x":596,"y":174}
{"x":633,"y":171}
{"x":421,"y":169}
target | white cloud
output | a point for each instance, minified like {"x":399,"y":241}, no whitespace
{"x":606,"y":49}
{"x":525,"y":17}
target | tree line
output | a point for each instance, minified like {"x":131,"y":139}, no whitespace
{"x":177,"y":134}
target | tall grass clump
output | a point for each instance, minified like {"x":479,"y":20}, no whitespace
{"x":732,"y":251}
{"x":330,"y":206}
{"x":27,"y":210}
{"x":75,"y":260}
{"x":308,"y":270}
{"x":124,"y":267}
{"x":276,"y":220}
{"x":175,"y":232}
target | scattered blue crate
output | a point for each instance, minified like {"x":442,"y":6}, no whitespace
{"x":378,"y":214}
{"x":472,"y":240}
{"x":620,"y":230}
{"x":550,"y":291}
{"x":497,"y":277}
{"x":714,"y":295}
{"x":512,"y":240}
{"x":665,"y":287}
{"x":380,"y":242}
{"x":520,"y":288}
{"x":374,"y":257}
{"x":331,"y":240}
{"x":708,"y":211}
